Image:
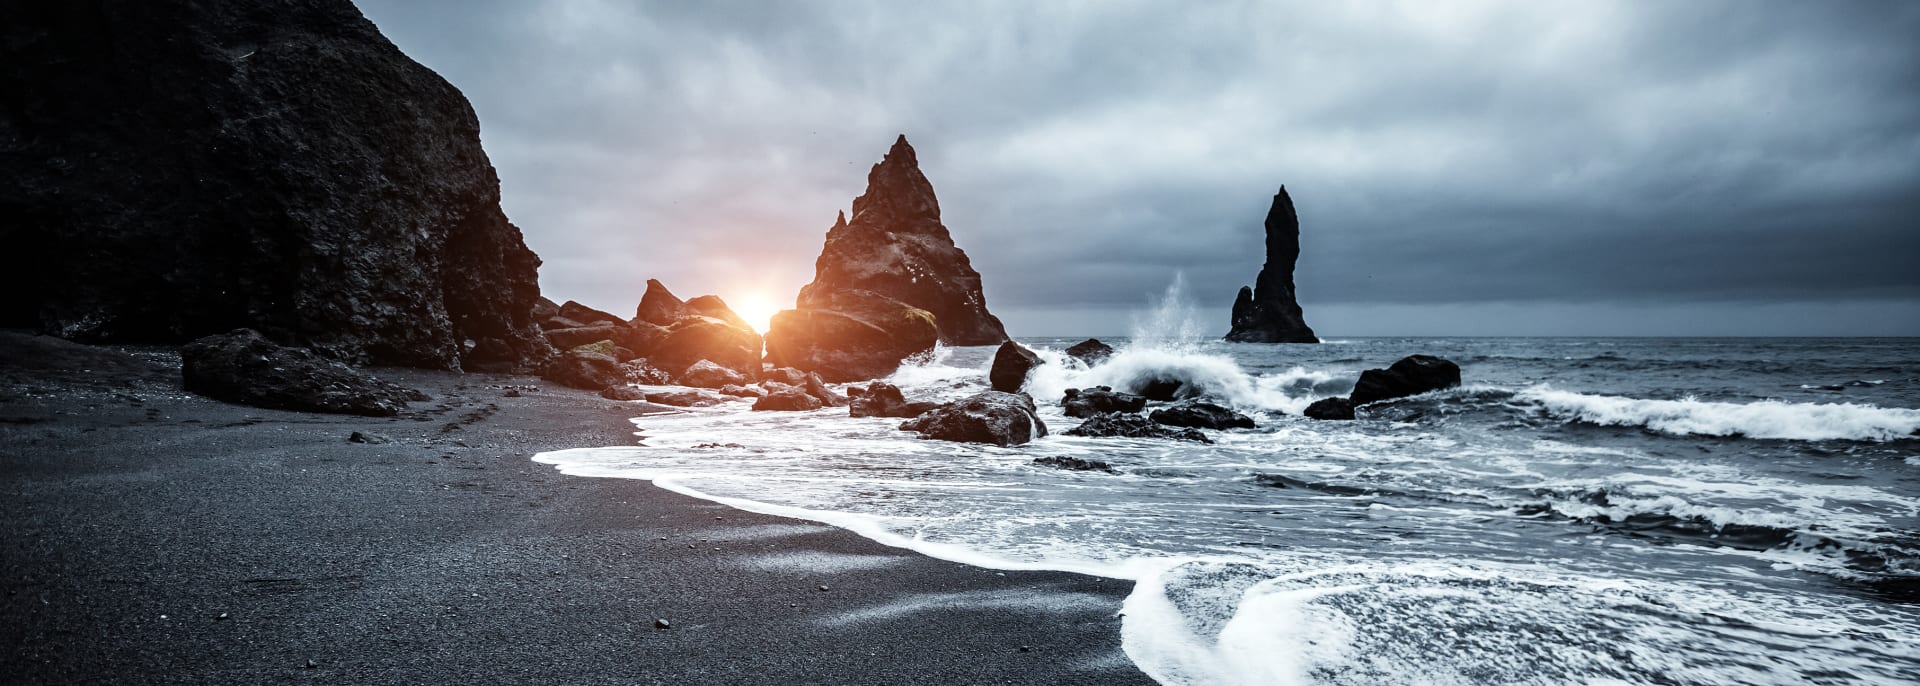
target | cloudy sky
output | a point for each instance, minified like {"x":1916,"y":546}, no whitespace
{"x":1662,"y":168}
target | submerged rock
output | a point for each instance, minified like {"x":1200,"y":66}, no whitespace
{"x":850,"y":335}
{"x":1412,"y":375}
{"x":1011,"y":364}
{"x":1082,"y":403}
{"x":994,"y":417}
{"x":1203,"y":415}
{"x":1112,"y":425}
{"x":1091,"y":351}
{"x":883,"y":399}
{"x":584,"y":370}
{"x":1330,"y":408}
{"x":177,"y":169}
{"x":245,"y":368}
{"x":1268,"y":311}
{"x":1073,"y":464}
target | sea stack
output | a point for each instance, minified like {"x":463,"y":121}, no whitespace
{"x":895,"y":245}
{"x":172,"y":169}
{"x":1268,"y":312}
{"x":889,"y":284}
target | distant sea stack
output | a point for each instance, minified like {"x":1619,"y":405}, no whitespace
{"x":174,"y":169}
{"x":1268,"y":312}
{"x":896,"y":246}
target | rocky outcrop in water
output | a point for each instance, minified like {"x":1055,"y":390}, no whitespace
{"x":1412,"y":375}
{"x":787,"y":399}
{"x":1090,"y":351}
{"x":883,"y":399}
{"x":1200,"y":414}
{"x":1087,"y":402}
{"x":1011,"y":365}
{"x":1330,"y":408}
{"x":172,"y":169}
{"x":850,"y":335}
{"x":993,"y":417}
{"x":895,"y":246}
{"x":245,"y":368}
{"x":1267,"y":312}
{"x":1118,"y":425}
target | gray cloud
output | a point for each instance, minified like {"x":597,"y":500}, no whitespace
{"x":1533,"y":154}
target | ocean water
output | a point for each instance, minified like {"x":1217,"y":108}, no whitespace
{"x":1580,"y":511}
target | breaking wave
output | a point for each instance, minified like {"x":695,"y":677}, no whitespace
{"x":1763,"y":419}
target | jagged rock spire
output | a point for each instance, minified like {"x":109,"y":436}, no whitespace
{"x":1268,"y":312}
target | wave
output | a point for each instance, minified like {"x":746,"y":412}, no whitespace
{"x":1764,"y":419}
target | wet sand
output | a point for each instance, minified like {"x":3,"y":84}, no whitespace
{"x":154,"y":536}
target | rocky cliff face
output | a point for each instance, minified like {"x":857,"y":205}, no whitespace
{"x":1268,"y":312}
{"x":172,"y":168}
{"x":896,"y":246}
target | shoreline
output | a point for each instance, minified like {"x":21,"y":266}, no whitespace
{"x":161,"y":537}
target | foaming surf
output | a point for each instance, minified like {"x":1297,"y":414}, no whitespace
{"x":1472,"y":536}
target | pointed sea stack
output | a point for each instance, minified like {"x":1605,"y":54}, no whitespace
{"x":1268,"y":312}
{"x":171,"y":169}
{"x":896,"y":246}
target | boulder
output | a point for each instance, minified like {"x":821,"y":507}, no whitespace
{"x":1412,"y":375}
{"x":685,"y":398}
{"x":1201,"y":414}
{"x":1159,"y":389}
{"x":850,"y":335}
{"x":587,"y":315}
{"x":817,"y":387}
{"x":566,"y":339}
{"x":1090,"y":351}
{"x":176,"y":169}
{"x":1114,"y":424}
{"x":787,"y":398}
{"x":623,"y":392}
{"x":1330,"y":408}
{"x":739,"y":391}
{"x":245,"y":368}
{"x":713,"y":306}
{"x":1011,"y":363}
{"x":641,"y":337}
{"x":606,"y":348}
{"x":785,"y":375}
{"x":697,"y":337}
{"x":584,"y":370}
{"x":706,"y":374}
{"x":895,"y":246}
{"x":882,"y":399}
{"x":544,"y":309}
{"x":658,"y":306}
{"x":994,"y":417}
{"x":559,"y":322}
{"x":1075,"y":464}
{"x":1268,"y":312}
{"x":1088,"y":402}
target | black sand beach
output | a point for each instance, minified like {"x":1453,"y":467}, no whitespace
{"x":155,"y":536}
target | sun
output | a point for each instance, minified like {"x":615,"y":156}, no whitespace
{"x":757,"y":309}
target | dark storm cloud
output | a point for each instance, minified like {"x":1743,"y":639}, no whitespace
{"x":1439,"y":153}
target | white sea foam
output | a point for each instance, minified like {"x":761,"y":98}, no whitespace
{"x":1762,"y":419}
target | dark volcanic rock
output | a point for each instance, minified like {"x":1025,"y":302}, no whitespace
{"x":883,"y":399}
{"x":1091,"y":351}
{"x":1011,"y":363}
{"x":817,"y":387}
{"x":1201,"y":414}
{"x":994,"y":417}
{"x":739,"y":391}
{"x":787,"y":398}
{"x":659,"y":306}
{"x":587,"y":315}
{"x":245,"y":368}
{"x":706,"y":374}
{"x":697,"y":337}
{"x":713,"y":306}
{"x":623,"y":392}
{"x":850,"y":335}
{"x":785,"y":375}
{"x":1100,"y":399}
{"x":1412,"y":375}
{"x":171,"y":169}
{"x":558,"y":322}
{"x":1132,"y":426}
{"x":1330,"y":408}
{"x":1159,"y":389}
{"x":1268,"y":312}
{"x":568,"y":339}
{"x":641,"y":337}
{"x":896,"y":246}
{"x":544,"y":309}
{"x":685,"y":398}
{"x":1075,"y":464}
{"x":584,"y":369}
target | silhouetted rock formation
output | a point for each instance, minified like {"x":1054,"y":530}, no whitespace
{"x":1412,"y":375}
{"x":850,"y":335}
{"x":1011,"y":364}
{"x":1088,"y":402}
{"x":174,"y":169}
{"x":986,"y":417}
{"x":896,"y":246}
{"x":1330,"y":408}
{"x":244,"y":367}
{"x":1268,"y":312}
{"x":1091,"y":351}
{"x":659,"y":306}
{"x":1200,"y":414}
